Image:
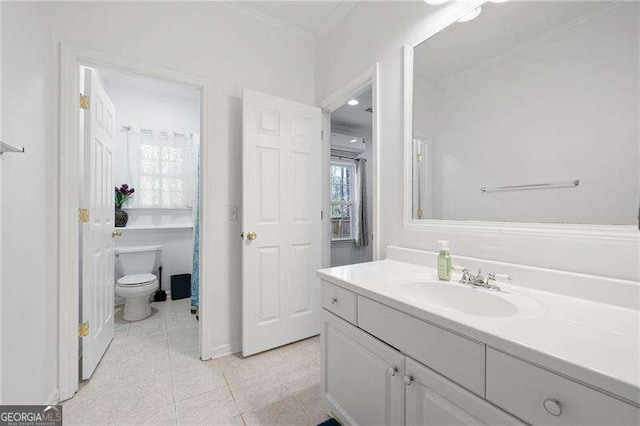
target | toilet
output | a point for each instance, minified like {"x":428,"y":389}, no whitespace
{"x":137,"y":283}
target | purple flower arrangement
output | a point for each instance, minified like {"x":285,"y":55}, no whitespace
{"x":123,"y":194}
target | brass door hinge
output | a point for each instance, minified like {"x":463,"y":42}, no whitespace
{"x":83,"y":215}
{"x":84,"y":101}
{"x":419,"y":213}
{"x":83,"y":329}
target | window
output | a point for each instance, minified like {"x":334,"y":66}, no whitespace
{"x":342,"y":200}
{"x":162,"y":169}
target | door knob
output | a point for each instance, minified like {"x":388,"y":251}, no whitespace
{"x":251,"y":235}
{"x":115,"y":233}
{"x":408,"y":380}
{"x":392,"y":370}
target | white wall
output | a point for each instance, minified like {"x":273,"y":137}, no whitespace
{"x":149,"y":104}
{"x":346,"y":252}
{"x":375,"y":32}
{"x":230,"y":49}
{"x":524,"y":116}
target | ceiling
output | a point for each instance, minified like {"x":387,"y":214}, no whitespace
{"x":309,"y":19}
{"x":355,"y":117}
{"x":499,"y":28}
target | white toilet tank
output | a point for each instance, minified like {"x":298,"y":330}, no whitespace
{"x":137,"y":259}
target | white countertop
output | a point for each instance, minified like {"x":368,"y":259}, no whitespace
{"x":595,"y":343}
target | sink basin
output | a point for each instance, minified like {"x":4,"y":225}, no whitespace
{"x":457,"y":297}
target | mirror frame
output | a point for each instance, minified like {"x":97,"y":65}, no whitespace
{"x":440,"y":20}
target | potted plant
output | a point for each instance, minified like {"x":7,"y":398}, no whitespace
{"x":122,"y":195}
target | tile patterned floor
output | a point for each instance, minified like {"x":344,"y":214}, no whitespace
{"x":151,"y":375}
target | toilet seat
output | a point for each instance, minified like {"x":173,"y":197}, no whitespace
{"x":136,"y":290}
{"x":136,"y":280}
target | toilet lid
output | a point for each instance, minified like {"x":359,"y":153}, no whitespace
{"x":136,"y":279}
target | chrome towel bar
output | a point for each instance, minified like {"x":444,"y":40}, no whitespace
{"x":547,"y":185}
{"x":7,"y":147}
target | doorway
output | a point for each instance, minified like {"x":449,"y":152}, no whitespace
{"x":351,"y":126}
{"x":71,"y":176}
{"x":138,"y":290}
{"x":351,"y":181}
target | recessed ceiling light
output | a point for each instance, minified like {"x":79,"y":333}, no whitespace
{"x":353,"y":102}
{"x":435,"y":2}
{"x":471,"y":15}
{"x":353,"y":140}
{"x":498,"y":1}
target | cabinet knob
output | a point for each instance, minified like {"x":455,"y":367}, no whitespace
{"x":392,"y":371}
{"x":553,"y":406}
{"x":408,"y":380}
{"x":333,"y":300}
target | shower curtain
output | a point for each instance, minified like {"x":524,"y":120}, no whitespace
{"x":195,"y":273}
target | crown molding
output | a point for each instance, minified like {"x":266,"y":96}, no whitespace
{"x":336,"y":16}
{"x":239,"y":7}
{"x":331,"y":21}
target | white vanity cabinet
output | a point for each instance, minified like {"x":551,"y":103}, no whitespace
{"x":539,"y":396}
{"x":382,"y":366}
{"x":432,"y":400}
{"x":367,"y":382}
{"x":362,"y":377}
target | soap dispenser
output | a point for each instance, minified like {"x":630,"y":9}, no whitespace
{"x":444,"y":261}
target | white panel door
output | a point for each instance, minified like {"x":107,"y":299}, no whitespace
{"x":432,"y":400}
{"x":282,"y":202}
{"x":97,"y":241}
{"x":361,"y":376}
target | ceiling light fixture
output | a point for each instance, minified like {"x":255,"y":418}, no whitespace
{"x":353,"y":102}
{"x":435,"y":2}
{"x":471,"y":15}
{"x":353,"y":140}
{"x":498,"y":1}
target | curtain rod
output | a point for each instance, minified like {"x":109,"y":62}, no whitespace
{"x":348,"y":158}
{"x":142,"y":130}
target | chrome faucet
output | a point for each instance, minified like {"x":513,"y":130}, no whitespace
{"x":479,"y":280}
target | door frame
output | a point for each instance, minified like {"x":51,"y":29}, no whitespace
{"x":368,"y":78}
{"x":68,"y":202}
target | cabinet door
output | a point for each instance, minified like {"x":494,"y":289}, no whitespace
{"x":361,"y":376}
{"x":432,"y":400}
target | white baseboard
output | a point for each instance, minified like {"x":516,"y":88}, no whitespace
{"x":52,"y":399}
{"x":227,"y":349}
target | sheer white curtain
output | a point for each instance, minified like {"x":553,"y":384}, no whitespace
{"x":161,"y":168}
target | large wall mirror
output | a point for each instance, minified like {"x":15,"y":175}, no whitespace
{"x":527,"y":112}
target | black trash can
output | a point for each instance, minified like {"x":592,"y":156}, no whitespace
{"x":180,"y":286}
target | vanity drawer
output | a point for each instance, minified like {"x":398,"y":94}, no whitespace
{"x":339,"y":301}
{"x":524,"y":389}
{"x":455,"y":357}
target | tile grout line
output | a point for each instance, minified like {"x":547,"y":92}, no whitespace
{"x":163,"y":321}
{"x":173,"y":388}
{"x":304,"y":411}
